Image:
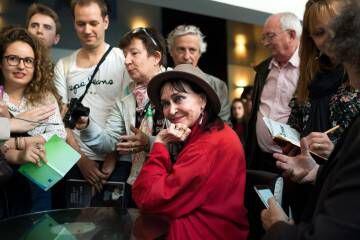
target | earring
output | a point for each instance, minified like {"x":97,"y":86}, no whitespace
{"x":201,"y":118}
{"x":201,"y":115}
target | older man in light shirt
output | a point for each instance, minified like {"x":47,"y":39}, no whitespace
{"x":186,"y":45}
{"x":275,"y":83}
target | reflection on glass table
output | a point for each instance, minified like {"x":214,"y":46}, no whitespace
{"x":87,"y":223}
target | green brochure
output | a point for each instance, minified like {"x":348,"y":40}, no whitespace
{"x":61,"y":158}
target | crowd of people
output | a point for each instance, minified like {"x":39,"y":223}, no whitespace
{"x":171,"y":136}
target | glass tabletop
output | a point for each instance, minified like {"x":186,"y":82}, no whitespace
{"x":86,"y":223}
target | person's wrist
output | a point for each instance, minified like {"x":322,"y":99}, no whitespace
{"x":159,"y":139}
{"x":20,"y":157}
{"x":311,"y":176}
{"x":85,"y":125}
{"x":4,"y":148}
{"x":17,"y":147}
{"x":81,"y":160}
{"x":18,"y":126}
{"x":11,"y":143}
{"x":22,"y":143}
{"x":13,"y":125}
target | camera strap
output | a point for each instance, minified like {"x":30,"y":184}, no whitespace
{"x":95,"y":71}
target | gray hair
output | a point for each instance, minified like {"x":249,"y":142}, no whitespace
{"x":182,"y":30}
{"x":290,"y":21}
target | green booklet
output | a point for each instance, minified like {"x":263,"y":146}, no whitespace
{"x":61,"y":158}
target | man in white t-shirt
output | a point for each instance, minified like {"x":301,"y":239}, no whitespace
{"x":72,"y":74}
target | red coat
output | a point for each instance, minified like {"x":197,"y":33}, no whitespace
{"x":203,"y":192}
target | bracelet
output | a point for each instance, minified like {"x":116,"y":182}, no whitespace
{"x":17,"y":143}
{"x":22,"y":143}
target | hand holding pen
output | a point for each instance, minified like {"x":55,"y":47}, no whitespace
{"x":320,"y":143}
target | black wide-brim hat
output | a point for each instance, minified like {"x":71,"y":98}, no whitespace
{"x":189,"y":74}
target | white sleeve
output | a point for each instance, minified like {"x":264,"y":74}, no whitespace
{"x":5,"y":128}
{"x":60,"y":81}
{"x":104,"y":140}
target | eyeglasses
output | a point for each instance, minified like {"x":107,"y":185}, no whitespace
{"x":14,"y":60}
{"x":268,"y":37}
{"x":142,"y":29}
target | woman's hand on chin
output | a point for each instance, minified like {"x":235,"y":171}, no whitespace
{"x":175,"y":133}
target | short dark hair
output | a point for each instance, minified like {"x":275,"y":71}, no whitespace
{"x":346,"y":28}
{"x":38,"y":8}
{"x":101,"y":3}
{"x":151,"y":38}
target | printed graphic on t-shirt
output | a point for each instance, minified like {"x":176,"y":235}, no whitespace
{"x":74,"y":88}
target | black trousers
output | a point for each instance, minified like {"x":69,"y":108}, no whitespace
{"x":16,"y":196}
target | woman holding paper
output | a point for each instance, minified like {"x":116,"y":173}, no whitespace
{"x":335,"y":203}
{"x":14,"y":125}
{"x":26,"y":73}
{"x":27,"y":77}
{"x":11,"y":125}
{"x":324,"y":98}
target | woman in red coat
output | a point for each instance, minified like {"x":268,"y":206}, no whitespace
{"x":202,"y":189}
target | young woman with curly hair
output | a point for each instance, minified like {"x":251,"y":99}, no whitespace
{"x":29,"y":93}
{"x":27,"y":76}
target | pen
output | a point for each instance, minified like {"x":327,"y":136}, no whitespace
{"x":290,"y":213}
{"x":332,"y":129}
